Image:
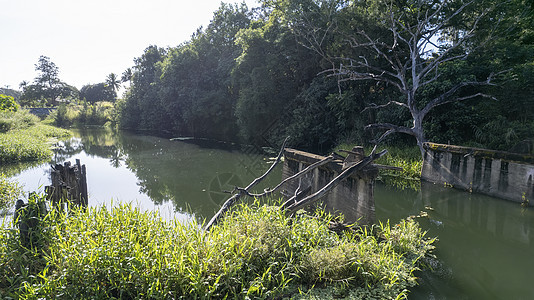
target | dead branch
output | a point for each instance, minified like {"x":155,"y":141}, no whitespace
{"x":241,"y":192}
{"x":293,"y":204}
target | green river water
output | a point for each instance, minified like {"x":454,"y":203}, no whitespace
{"x":485,"y":248}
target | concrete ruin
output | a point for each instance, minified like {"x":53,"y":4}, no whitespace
{"x":353,"y":197}
{"x":495,"y":173}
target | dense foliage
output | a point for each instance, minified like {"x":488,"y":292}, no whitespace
{"x":97,"y":92}
{"x":253,"y":74}
{"x":7,"y":103}
{"x":257,"y":252}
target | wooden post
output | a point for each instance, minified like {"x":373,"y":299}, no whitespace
{"x":69,"y":182}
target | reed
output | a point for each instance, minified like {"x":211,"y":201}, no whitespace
{"x":256,"y":252}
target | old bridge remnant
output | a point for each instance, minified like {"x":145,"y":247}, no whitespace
{"x":353,"y":197}
{"x":495,"y":173}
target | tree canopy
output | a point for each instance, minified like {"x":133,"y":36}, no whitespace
{"x":323,"y":70}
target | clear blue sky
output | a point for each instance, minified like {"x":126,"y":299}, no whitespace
{"x":87,"y":40}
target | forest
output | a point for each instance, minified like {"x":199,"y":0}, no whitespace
{"x":327,"y":72}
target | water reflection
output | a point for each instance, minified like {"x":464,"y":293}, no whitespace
{"x":185,"y":177}
{"x":485,"y":244}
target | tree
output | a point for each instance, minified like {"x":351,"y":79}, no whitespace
{"x":7,"y":103}
{"x":97,"y":92}
{"x":127,"y":75}
{"x":402,"y":44}
{"x":47,"y":87}
{"x":112,"y":81}
{"x":48,"y":79}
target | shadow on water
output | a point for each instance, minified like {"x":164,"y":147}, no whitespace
{"x":485,"y":244}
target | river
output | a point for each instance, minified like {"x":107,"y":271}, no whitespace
{"x":485,"y":244}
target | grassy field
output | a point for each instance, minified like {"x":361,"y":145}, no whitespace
{"x":257,"y":252}
{"x":24,"y":138}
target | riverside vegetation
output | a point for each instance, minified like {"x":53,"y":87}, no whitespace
{"x":24,"y":138}
{"x":255,"y":252}
{"x":405,"y":157}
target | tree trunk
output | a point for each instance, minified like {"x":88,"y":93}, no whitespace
{"x":418,"y":131}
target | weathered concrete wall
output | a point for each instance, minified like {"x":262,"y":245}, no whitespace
{"x":495,"y":173}
{"x":354,"y":197}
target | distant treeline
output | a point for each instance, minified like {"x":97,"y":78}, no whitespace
{"x":249,"y":75}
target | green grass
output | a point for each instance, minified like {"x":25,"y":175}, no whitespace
{"x":256,"y":252}
{"x":9,"y":192}
{"x":29,"y":144}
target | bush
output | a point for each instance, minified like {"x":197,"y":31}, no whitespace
{"x":16,"y":120}
{"x":7,"y":103}
{"x":100,"y":113}
{"x":255,"y":252}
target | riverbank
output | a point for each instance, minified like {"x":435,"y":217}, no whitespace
{"x":256,"y":252}
{"x":24,"y":138}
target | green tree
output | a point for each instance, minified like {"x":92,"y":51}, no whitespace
{"x":7,"y":103}
{"x":127,"y":75}
{"x":97,"y":92}
{"x":403,"y":45}
{"x":47,"y":87}
{"x":270,"y":73}
{"x":142,"y":106}
{"x":196,"y":81}
{"x":112,"y":81}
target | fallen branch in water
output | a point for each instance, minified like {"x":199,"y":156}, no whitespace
{"x":296,"y":201}
{"x":294,"y":204}
{"x":244,"y":192}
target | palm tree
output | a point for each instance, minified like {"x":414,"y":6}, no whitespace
{"x":127,"y":75}
{"x":113,"y":82}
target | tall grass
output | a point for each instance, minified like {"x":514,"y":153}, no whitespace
{"x":34,"y":143}
{"x":23,"y":138}
{"x":9,"y":192}
{"x":20,"y":119}
{"x":255,"y":252}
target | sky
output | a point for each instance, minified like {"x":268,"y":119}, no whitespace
{"x":89,"y":39}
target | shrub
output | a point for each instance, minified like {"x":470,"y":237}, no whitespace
{"x":100,"y":113}
{"x":7,"y":103}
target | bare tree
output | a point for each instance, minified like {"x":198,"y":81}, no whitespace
{"x":408,"y":54}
